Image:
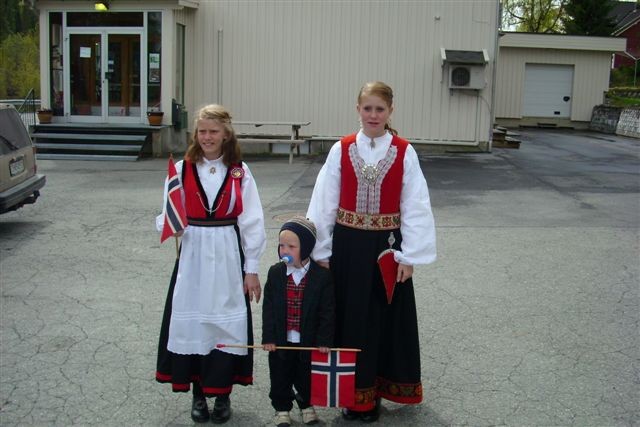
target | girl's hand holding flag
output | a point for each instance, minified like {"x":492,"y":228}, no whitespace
{"x":175,"y":217}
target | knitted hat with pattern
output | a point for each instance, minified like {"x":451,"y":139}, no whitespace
{"x":306,"y":232}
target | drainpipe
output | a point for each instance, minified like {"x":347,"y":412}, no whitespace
{"x":220,"y":46}
{"x":496,"y":52}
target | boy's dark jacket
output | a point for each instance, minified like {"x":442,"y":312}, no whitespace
{"x":318,"y":307}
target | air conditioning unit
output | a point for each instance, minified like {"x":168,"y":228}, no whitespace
{"x":465,"y":76}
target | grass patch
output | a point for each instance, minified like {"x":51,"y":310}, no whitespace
{"x":623,"y":102}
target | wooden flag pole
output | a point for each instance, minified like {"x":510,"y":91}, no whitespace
{"x":284,"y":347}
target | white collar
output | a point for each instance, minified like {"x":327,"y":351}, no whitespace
{"x":385,"y":139}
{"x":298,"y":273}
{"x":207,"y":162}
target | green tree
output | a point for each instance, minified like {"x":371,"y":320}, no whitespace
{"x":533,"y":16}
{"x":589,"y":17}
{"x":19,"y":58}
{"x":16,"y":16}
{"x":19,"y":65}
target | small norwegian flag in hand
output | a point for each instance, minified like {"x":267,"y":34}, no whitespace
{"x":333,"y":378}
{"x":175,"y":217}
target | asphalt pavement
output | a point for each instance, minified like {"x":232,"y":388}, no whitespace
{"x":529,"y":317}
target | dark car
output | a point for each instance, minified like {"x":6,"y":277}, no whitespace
{"x":19,"y":183}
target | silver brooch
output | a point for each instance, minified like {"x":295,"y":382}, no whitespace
{"x":370,"y":172}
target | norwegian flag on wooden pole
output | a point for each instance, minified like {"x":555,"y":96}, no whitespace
{"x":333,"y":378}
{"x":175,"y":217}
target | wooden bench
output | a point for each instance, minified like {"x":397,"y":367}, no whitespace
{"x":294,"y":140}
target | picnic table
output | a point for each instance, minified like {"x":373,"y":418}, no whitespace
{"x":294,"y":140}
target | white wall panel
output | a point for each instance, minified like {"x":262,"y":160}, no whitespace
{"x":306,"y":60}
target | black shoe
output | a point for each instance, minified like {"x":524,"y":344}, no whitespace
{"x":350,"y":415}
{"x":372,"y":415}
{"x":199,"y":410}
{"x":221,"y":411}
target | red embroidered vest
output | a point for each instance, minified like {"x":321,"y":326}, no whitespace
{"x":294,"y":303}
{"x":372,"y":191}
{"x":228,"y":202}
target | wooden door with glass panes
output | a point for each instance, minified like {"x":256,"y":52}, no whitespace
{"x":85,"y":51}
{"x":104,"y":76}
{"x":123,"y":75}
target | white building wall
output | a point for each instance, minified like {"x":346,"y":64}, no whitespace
{"x":591,"y":78}
{"x":306,"y":60}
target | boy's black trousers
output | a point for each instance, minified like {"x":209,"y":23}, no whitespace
{"x":288,"y":369}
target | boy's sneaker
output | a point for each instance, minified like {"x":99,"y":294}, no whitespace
{"x":309,"y":416}
{"x":282,"y":419}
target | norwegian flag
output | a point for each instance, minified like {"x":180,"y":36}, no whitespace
{"x":333,"y":378}
{"x":175,"y":217}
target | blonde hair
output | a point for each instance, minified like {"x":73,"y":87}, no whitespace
{"x":382,"y":91}
{"x":231,"y":153}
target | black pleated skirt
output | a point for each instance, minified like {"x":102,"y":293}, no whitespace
{"x":389,"y":364}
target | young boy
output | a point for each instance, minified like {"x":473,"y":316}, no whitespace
{"x":297,"y":311}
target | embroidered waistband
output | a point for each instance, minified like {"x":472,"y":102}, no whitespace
{"x":211,"y":222}
{"x":368,"y":221}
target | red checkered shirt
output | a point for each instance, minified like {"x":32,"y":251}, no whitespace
{"x":294,"y":303}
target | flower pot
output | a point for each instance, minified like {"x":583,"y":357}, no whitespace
{"x":45,"y":117}
{"x":155,"y":117}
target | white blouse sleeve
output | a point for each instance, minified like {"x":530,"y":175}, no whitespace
{"x":416,"y":219}
{"x":251,"y":223}
{"x":323,"y":206}
{"x":160,"y":218}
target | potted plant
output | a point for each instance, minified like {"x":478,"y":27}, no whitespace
{"x":154,"y":115}
{"x":44,"y":115}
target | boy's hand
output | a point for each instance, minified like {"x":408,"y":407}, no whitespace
{"x":323,"y":349}
{"x":269,"y":347}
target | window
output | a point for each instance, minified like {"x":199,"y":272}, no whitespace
{"x":55,"y":65}
{"x":179,"y":71}
{"x":154,"y":48}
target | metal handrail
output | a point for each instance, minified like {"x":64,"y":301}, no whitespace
{"x":27,"y":109}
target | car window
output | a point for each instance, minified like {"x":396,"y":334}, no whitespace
{"x":13,"y":134}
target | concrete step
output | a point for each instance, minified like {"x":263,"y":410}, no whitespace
{"x":86,"y":147}
{"x":88,"y":136}
{"x":109,"y":157}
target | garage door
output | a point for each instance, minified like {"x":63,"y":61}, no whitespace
{"x":547,"y":90}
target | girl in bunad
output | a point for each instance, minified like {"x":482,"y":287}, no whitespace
{"x":371,"y":195}
{"x":216,"y":274}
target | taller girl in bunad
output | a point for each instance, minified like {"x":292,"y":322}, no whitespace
{"x":216,"y":274}
{"x":371,"y":196}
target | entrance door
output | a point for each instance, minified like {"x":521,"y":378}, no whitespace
{"x":85,"y":77}
{"x":123,"y":77}
{"x":104,"y":77}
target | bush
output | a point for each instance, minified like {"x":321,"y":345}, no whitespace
{"x":623,"y":76}
{"x":19,"y":65}
{"x":623,"y":97}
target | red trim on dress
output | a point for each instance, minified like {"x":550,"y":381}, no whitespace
{"x":365,"y":399}
{"x":165,"y":378}
{"x":217,"y":390}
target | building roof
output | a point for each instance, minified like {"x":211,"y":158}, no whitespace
{"x":624,"y":15}
{"x":562,"y":41}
